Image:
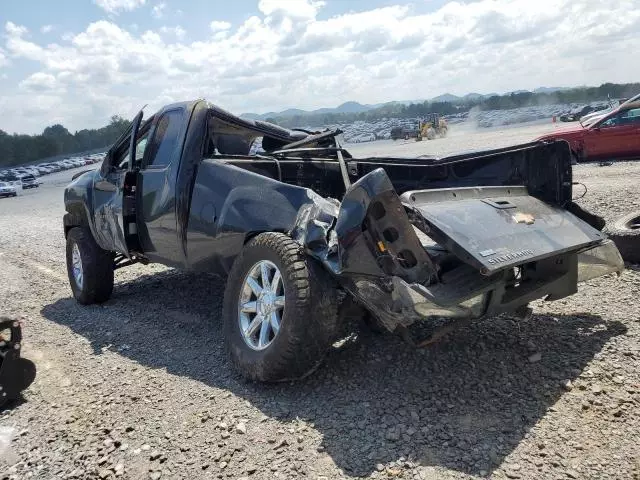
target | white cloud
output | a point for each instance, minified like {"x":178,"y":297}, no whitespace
{"x":14,"y":30}
{"x":4,"y":61}
{"x":116,"y":6}
{"x":289,"y":55}
{"x":178,"y":31}
{"x":158,"y":10}
{"x":46,"y":28}
{"x":217,"y":26}
{"x":39,"y":82}
{"x":290,"y":8}
{"x":18,"y":47}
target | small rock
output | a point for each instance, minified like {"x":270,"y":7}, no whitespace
{"x":225,"y":434}
{"x":241,"y":428}
{"x":572,"y":474}
{"x":597,"y":389}
{"x":119,"y":469}
{"x":145,"y":447}
{"x":392,"y":435}
{"x":536,"y":357}
{"x":617,"y":413}
{"x":155,"y":475}
{"x":154,"y":455}
{"x":379,"y":467}
{"x":567,"y":385}
{"x":585,"y":405}
{"x":283,"y":443}
{"x":104,"y":473}
{"x":223,"y":465}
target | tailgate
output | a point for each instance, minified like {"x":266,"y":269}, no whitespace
{"x":494,"y":228}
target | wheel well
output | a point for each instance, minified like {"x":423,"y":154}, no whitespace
{"x":251,"y":235}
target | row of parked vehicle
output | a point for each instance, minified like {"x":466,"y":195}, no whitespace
{"x":14,"y":179}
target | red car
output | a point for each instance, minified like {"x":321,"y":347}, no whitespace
{"x":612,"y":135}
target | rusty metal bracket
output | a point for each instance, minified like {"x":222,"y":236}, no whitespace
{"x":435,"y":336}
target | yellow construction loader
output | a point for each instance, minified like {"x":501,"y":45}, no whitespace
{"x":431,"y":127}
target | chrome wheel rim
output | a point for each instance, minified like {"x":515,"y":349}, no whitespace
{"x":76,"y":265}
{"x":261,"y":305}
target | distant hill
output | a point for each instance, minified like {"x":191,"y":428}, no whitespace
{"x":347,"y":107}
{"x":550,"y":89}
{"x":352,"y":107}
{"x":447,"y":97}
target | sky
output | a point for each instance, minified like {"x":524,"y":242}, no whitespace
{"x":78,"y":62}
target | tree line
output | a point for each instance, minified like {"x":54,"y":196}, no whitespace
{"x":56,"y":140}
{"x":464,"y":104}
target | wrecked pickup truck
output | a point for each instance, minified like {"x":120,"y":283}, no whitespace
{"x":301,"y":228}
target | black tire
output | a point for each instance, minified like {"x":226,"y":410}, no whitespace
{"x":97,"y":268}
{"x":625,"y":232}
{"x":308,"y":324}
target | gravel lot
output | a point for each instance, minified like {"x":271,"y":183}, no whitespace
{"x":139,"y":387}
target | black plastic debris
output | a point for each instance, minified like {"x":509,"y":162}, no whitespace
{"x":16,"y":373}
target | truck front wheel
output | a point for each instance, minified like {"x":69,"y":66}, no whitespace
{"x":89,"y":267}
{"x":280,"y":310}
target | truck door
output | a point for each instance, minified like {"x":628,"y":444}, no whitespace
{"x":157,"y":223}
{"x":113,"y":194}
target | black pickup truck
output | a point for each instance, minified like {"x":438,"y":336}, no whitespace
{"x":301,"y":229}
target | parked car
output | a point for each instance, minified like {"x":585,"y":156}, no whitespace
{"x":577,"y":114}
{"x":29,"y":181}
{"x":12,"y":179}
{"x":305,"y":224}
{"x":398,"y":133}
{"x":7,"y":190}
{"x":614,"y":135}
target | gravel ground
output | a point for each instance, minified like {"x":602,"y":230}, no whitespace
{"x":139,"y":387}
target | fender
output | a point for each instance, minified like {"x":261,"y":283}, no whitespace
{"x":78,"y":201}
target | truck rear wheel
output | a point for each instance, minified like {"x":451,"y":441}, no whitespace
{"x":89,"y":267}
{"x":280,"y":310}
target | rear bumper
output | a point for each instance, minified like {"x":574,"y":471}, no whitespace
{"x":466,"y":294}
